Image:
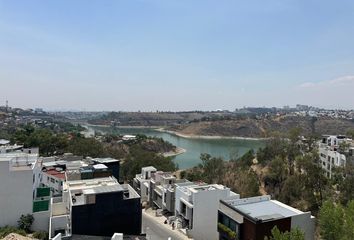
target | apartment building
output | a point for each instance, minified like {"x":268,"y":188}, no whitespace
{"x":254,"y":218}
{"x":98,"y":207}
{"x":331,"y":154}
{"x":196,"y":208}
{"x":20,"y":193}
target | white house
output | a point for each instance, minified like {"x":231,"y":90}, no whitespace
{"x":141,"y":182}
{"x":197,"y":208}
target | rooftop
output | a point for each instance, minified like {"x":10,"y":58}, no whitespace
{"x":79,"y":189}
{"x":262,"y":208}
{"x":105,"y":160}
{"x":56,"y":173}
{"x":20,"y":161}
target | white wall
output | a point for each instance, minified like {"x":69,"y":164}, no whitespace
{"x":205,"y":213}
{"x":16,"y":194}
{"x":41,"y":221}
{"x":305,"y":223}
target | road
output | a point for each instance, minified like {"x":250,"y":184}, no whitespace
{"x":157,"y":231}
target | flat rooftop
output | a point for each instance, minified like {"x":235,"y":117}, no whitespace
{"x":105,"y":160}
{"x":80,"y":188}
{"x":19,"y":160}
{"x":190,"y":187}
{"x":263,"y":208}
{"x":99,"y":184}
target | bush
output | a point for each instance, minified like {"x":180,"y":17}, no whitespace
{"x":4,"y":231}
{"x":42,"y":235}
{"x":25,"y":222}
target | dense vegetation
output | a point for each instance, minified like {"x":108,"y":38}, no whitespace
{"x":134,"y":154}
{"x":288,"y":169}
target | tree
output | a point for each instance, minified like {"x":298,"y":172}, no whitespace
{"x":346,"y":187}
{"x":331,"y":221}
{"x":350,"y":133}
{"x":294,"y":234}
{"x":25,"y":222}
{"x":212,"y":168}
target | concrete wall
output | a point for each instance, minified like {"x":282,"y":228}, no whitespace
{"x":41,"y":221}
{"x":16,"y":194}
{"x":205,"y":212}
{"x":305,"y":223}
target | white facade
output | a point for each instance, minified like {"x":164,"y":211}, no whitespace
{"x":19,"y":177}
{"x":142,"y":182}
{"x":197,"y":206}
{"x":330,"y":156}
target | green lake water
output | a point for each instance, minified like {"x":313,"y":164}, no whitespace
{"x":194,"y":146}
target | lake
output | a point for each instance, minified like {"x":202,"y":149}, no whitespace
{"x":193,"y":146}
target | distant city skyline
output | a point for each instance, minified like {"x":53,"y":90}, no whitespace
{"x":176,"y":55}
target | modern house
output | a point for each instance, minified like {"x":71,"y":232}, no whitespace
{"x":96,"y":206}
{"x":141,"y":183}
{"x":196,"y":208}
{"x":162,"y":191}
{"x":254,"y":218}
{"x":112,"y":164}
{"x":20,"y":193}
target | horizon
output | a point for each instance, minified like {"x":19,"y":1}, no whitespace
{"x":149,"y":55}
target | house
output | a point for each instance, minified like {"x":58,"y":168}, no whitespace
{"x":196,"y":208}
{"x":96,"y":206}
{"x":141,"y":183}
{"x":157,"y":188}
{"x":254,"y":218}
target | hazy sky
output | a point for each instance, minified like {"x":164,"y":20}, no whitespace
{"x":176,"y":54}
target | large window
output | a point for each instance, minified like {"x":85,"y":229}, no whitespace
{"x":228,"y":222}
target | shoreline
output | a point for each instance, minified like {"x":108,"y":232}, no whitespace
{"x":178,"y":151}
{"x":188,"y":136}
{"x":191,"y":136}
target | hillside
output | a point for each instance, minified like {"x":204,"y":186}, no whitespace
{"x":263,"y":127}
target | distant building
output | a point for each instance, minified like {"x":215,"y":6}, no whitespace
{"x":331,"y":155}
{"x":157,"y":188}
{"x":254,"y":218}
{"x":197,"y":208}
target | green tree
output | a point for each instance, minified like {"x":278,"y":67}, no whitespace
{"x":25,"y":222}
{"x":212,"y":168}
{"x":331,"y":221}
{"x":294,"y":234}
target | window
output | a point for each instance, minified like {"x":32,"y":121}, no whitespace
{"x":52,"y":180}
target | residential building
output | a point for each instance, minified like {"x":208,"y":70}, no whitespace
{"x":20,"y":193}
{"x":254,"y":218}
{"x":96,"y":206}
{"x":157,"y":188}
{"x":331,"y":153}
{"x":112,"y":164}
{"x":141,"y":183}
{"x":196,"y":208}
{"x":162,"y":191}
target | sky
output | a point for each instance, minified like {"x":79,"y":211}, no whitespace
{"x":175,"y":55}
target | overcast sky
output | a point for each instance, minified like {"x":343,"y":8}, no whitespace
{"x":176,"y":54}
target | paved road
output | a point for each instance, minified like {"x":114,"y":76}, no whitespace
{"x":157,"y":231}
